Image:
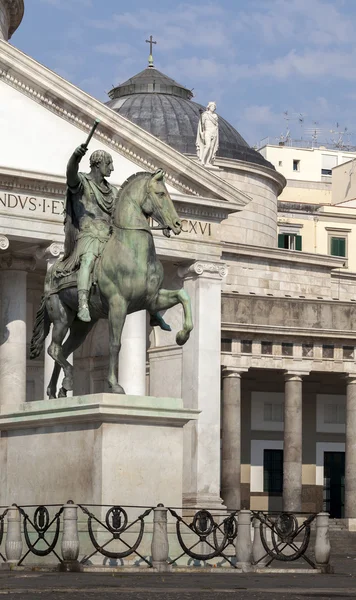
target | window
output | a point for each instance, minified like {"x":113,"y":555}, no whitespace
{"x":328,"y":351}
{"x":348,"y":352}
{"x":334,"y":413}
{"x":296,"y":165}
{"x":266,"y":347}
{"x":328,"y":162}
{"x":307,"y":350}
{"x":273,"y":471}
{"x":226,"y":345}
{"x":337,"y":246}
{"x":287,"y":349}
{"x":246,"y":346}
{"x":290,"y":241}
{"x":273,"y":412}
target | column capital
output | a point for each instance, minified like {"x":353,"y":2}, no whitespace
{"x":295,"y":375}
{"x":50,"y":252}
{"x":350,"y":378}
{"x":234,"y":372}
{"x":11,"y":262}
{"x":205,"y":268}
{"x":4,"y":242}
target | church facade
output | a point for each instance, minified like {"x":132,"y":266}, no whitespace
{"x":270,"y":363}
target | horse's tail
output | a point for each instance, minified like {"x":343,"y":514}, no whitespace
{"x":40,"y":330}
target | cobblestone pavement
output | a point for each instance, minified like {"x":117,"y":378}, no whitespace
{"x":182,"y":586}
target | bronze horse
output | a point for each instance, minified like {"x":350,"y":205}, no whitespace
{"x":129,"y":278}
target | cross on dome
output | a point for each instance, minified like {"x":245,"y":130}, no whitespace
{"x":150,"y":58}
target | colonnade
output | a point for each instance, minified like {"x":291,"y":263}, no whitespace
{"x":292,"y":444}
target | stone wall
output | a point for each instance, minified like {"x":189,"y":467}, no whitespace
{"x":314,"y":315}
{"x":257,"y":223}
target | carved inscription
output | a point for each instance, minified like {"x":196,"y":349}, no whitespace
{"x":196,"y":227}
{"x":21,"y":203}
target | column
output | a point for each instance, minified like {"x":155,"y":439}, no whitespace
{"x":13,"y":283}
{"x":132,"y":357}
{"x":292,"y":450}
{"x":231,"y":438}
{"x":51,"y":255}
{"x":350,"y":448}
{"x":201,"y":385}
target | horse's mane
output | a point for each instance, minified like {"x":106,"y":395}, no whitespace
{"x":139,"y":175}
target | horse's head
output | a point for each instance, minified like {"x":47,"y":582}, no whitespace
{"x":158,"y":204}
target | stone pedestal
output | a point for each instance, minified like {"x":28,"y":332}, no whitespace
{"x":98,"y":449}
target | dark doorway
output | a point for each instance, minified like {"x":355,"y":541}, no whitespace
{"x":334,"y":484}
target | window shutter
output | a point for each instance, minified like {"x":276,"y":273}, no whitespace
{"x":342,"y":247}
{"x":334,"y":250}
{"x":338,"y":246}
{"x":281,"y":240}
{"x":298,"y":242}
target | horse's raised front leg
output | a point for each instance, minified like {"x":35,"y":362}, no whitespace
{"x":168,"y":298}
{"x":117,"y":316}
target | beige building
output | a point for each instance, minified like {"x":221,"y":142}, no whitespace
{"x":270,"y":365}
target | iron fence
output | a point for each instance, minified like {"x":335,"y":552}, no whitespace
{"x":77,"y":536}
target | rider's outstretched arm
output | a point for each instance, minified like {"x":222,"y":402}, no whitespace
{"x":73,"y":166}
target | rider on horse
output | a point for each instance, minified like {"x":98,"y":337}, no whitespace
{"x":89,"y":205}
{"x":90,"y":202}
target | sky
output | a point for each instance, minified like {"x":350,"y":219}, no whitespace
{"x":258,"y":59}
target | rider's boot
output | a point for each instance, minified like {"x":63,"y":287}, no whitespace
{"x":83,"y":309}
{"x":158,"y":321}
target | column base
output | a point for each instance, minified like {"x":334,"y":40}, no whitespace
{"x":210,"y":502}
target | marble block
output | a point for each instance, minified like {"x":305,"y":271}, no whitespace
{"x":100,"y":449}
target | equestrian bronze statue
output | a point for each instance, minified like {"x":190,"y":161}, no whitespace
{"x":109,"y":268}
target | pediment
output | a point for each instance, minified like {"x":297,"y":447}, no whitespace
{"x":43,"y":118}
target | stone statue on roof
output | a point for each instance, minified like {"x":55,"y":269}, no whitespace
{"x":207,"y":141}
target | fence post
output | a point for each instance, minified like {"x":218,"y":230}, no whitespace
{"x":243,"y":541}
{"x":257,"y":547}
{"x":159,"y":547}
{"x":322,"y":542}
{"x":13,"y":544}
{"x":70,"y":538}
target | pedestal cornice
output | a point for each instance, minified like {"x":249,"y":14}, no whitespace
{"x":100,"y":408}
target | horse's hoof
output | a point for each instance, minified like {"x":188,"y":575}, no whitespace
{"x":117,"y":389}
{"x":67,"y":384}
{"x":182,"y":337}
{"x":62,"y":393}
{"x":51,"y":395}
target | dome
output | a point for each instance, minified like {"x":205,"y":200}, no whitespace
{"x":164,"y":108}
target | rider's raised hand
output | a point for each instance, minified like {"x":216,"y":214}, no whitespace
{"x":80,"y":151}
